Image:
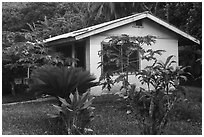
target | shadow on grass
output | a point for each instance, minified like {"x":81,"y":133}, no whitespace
{"x":9,"y":98}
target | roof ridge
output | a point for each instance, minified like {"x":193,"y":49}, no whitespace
{"x":91,"y":30}
{"x":108,"y":22}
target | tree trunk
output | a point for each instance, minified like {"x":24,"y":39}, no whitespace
{"x":167,"y":12}
{"x":28,"y":72}
{"x":155,"y":8}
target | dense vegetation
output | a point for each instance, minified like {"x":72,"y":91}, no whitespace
{"x":153,"y":102}
{"x":26,"y":25}
{"x":71,"y":16}
{"x":45,"y":20}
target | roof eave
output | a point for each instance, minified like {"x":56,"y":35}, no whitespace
{"x":173,"y":28}
{"x":60,"y":41}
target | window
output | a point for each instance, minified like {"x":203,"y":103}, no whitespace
{"x":138,"y":24}
{"x":134,"y":62}
{"x":112,"y":62}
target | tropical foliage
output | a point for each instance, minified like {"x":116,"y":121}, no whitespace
{"x":150,"y":105}
{"x":118,"y":51}
{"x":153,"y":105}
{"x":184,"y":15}
{"x":25,"y":51}
{"x":163,"y":92}
{"x":60,"y":18}
{"x":76,"y":113}
{"x":180,"y":14}
{"x":60,"y":81}
{"x":26,"y":25}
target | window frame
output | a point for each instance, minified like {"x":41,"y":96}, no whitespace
{"x":115,"y":74}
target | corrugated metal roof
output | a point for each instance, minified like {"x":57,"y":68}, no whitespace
{"x":86,"y":32}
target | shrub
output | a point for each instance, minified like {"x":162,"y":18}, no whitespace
{"x":76,"y":113}
{"x":60,"y":81}
{"x":153,"y":106}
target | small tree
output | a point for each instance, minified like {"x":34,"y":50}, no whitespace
{"x":152,"y":106}
{"x":27,"y":51}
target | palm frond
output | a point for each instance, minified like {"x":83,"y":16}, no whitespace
{"x":61,"y":81}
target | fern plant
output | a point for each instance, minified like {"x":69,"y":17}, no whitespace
{"x":60,"y":81}
{"x":77,"y":112}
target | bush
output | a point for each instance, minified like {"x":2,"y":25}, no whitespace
{"x":76,"y":113}
{"x":60,"y":81}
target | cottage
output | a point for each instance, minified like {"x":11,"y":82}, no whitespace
{"x":84,"y":44}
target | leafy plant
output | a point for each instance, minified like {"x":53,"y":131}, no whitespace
{"x":26,"y":50}
{"x":153,"y":104}
{"x":163,"y":93}
{"x":122,"y":53}
{"x":60,"y":81}
{"x":76,"y":112}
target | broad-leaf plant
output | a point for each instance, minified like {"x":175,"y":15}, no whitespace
{"x":118,"y":51}
{"x":76,"y":113}
{"x":71,"y":87}
{"x":151,"y":105}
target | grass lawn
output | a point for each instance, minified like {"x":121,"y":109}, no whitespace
{"x":110,"y":119}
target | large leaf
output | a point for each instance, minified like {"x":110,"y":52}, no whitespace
{"x":88,"y":103}
{"x":71,"y":96}
{"x":58,"y":108}
{"x":64,"y":102}
{"x":168,"y":60}
{"x":84,"y":98}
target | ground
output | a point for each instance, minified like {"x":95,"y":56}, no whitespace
{"x":110,"y":117}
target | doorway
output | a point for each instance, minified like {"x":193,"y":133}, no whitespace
{"x":80,"y":54}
